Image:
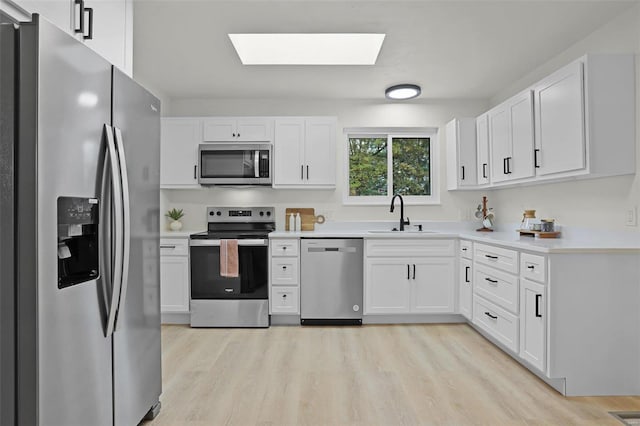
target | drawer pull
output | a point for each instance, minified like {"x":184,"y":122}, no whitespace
{"x":168,"y":247}
{"x":491,"y":281}
{"x":466,"y":274}
{"x":531,"y":267}
{"x":284,"y":247}
{"x":488,"y":256}
{"x":414,"y":271}
{"x":408,"y":272}
{"x":491,"y":316}
{"x":538,"y":298}
{"x":284,"y":296}
{"x":284,"y":268}
{"x":464,"y":249}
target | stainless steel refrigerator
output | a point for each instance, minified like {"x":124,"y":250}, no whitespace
{"x":79,"y":235}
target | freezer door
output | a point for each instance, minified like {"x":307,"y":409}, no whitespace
{"x":136,"y":348}
{"x":64,"y":358}
{"x":7,"y":249}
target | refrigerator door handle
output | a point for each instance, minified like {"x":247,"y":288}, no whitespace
{"x":116,"y":183}
{"x":126,"y":219}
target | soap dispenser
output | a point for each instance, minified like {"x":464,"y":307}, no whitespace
{"x":292,"y":223}
{"x":298,"y":222}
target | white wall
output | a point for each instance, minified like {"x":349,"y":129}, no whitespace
{"x":600,"y":203}
{"x":381,"y":113}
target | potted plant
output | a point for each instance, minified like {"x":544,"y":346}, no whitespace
{"x":175,"y":215}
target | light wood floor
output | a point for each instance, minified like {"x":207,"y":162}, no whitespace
{"x":370,"y":375}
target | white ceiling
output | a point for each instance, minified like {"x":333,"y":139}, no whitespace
{"x":453,"y":49}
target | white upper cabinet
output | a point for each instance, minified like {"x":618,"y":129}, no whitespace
{"x":560,"y":139}
{"x":461,"y":153}
{"x":511,"y":138}
{"x":111,"y":26}
{"x":238,"y":129}
{"x":482,"y":149}
{"x":179,"y":142}
{"x":304,"y":152}
{"x":104,"y":25}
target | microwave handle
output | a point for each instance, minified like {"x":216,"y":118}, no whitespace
{"x":256,"y":163}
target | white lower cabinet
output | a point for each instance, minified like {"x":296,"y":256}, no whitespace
{"x":284,"y":277}
{"x":533,"y":340}
{"x":388,"y":286}
{"x":433,"y":285}
{"x":465,"y":289}
{"x":499,"y":323}
{"x":395,"y":283}
{"x":284,"y":300}
{"x":174,"y":275}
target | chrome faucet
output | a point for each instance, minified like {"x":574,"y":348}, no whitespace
{"x":402,"y":221}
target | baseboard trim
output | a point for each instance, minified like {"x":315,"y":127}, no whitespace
{"x":175,"y":317}
{"x":413,"y":319}
{"x":285,"y":319}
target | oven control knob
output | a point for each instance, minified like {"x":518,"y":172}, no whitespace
{"x":219,"y":213}
{"x":261,"y":213}
{"x":268,"y":213}
{"x":210,"y":213}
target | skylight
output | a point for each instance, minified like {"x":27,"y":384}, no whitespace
{"x":307,"y":49}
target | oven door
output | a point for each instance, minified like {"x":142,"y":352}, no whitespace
{"x":253,"y":271}
{"x":234,"y":164}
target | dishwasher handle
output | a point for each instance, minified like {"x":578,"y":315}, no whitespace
{"x":336,"y":249}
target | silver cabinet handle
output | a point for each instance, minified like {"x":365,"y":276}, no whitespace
{"x":117,"y":228}
{"x":126,"y":216}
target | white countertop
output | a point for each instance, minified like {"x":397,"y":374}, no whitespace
{"x":572,"y":240}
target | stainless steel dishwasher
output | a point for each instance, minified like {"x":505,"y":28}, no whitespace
{"x":331,"y":281}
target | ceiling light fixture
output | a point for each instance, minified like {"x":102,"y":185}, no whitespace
{"x":307,"y":49}
{"x":403,"y":91}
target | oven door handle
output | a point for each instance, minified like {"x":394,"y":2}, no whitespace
{"x":216,"y":243}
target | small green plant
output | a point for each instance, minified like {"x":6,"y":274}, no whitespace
{"x":175,"y":214}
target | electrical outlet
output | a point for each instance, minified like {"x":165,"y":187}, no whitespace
{"x":632,"y":216}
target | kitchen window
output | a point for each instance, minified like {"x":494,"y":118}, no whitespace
{"x":380,"y":165}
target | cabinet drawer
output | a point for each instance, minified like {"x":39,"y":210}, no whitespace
{"x":284,"y":300}
{"x":533,"y":267}
{"x":409,"y":248}
{"x":498,"y":287}
{"x":499,"y":323}
{"x":174,"y":246}
{"x":284,"y":271}
{"x":285,"y":247}
{"x":466,"y":248}
{"x":497,"y":257}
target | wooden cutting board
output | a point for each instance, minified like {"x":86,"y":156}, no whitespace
{"x":307,"y":217}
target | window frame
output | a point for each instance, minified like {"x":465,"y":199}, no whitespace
{"x":374,"y":200}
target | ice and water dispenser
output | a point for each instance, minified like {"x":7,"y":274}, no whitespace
{"x":78,"y":254}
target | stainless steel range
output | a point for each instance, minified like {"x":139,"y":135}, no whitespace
{"x":242,"y":300}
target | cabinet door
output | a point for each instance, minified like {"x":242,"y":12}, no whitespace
{"x":465,"y":289}
{"x":461,"y":153}
{"x":254,"y":129}
{"x":499,"y":142}
{"x":520,"y":163}
{"x":432,"y":285}
{"x":560,"y":139}
{"x":109,"y":31}
{"x":174,"y":284}
{"x":320,"y":152}
{"x":288,"y":152}
{"x":219,"y":129}
{"x":179,"y":152}
{"x":482,"y":145}
{"x":533,"y":346}
{"x":387,"y":286}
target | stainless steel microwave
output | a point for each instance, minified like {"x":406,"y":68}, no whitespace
{"x":233,"y":163}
